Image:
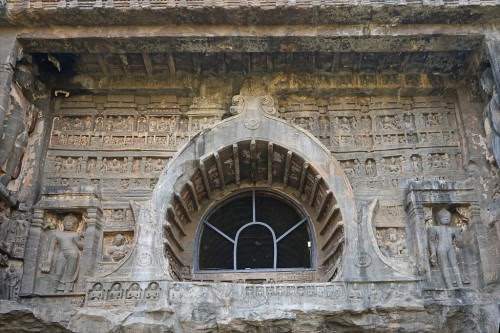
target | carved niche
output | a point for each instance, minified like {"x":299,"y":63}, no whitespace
{"x":63,"y":241}
{"x":444,"y":224}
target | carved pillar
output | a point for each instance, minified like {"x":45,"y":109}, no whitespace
{"x":493,"y":51}
{"x":93,"y":236}
{"x":8,"y":55}
{"x":31,"y":253}
{"x":492,"y":111}
{"x":417,"y":237}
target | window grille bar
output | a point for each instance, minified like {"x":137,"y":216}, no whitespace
{"x":291,"y":229}
{"x":219,"y":232}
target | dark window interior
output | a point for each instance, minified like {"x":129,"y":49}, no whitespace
{"x":255,"y":242}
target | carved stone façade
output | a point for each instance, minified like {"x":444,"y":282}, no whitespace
{"x":119,"y":140}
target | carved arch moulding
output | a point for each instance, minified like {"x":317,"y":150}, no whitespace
{"x":252,"y":150}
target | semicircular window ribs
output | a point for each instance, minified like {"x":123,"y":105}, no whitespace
{"x":271,"y":172}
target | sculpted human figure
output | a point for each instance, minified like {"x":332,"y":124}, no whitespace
{"x":97,"y":293}
{"x":115,"y":292}
{"x":118,"y":248}
{"x":442,"y":240}
{"x":416,"y":163}
{"x":153,"y":291}
{"x":370,"y":167}
{"x":134,"y":292}
{"x":11,"y":282}
{"x":63,"y":255}
{"x":393,"y":245}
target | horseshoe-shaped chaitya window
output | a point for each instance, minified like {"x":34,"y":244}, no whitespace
{"x":255,"y":207}
{"x":255,"y":230}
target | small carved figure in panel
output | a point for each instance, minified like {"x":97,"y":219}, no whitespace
{"x":63,"y":255}
{"x":13,"y":234}
{"x":390,"y":122}
{"x":69,"y":164}
{"x":152,"y":291}
{"x":115,"y":165}
{"x":130,"y":123}
{"x":76,"y":124}
{"x":365,"y":123}
{"x":344,"y":123}
{"x":153,"y":124}
{"x":409,"y":122}
{"x":88,"y":123}
{"x":432,"y":119}
{"x":134,"y":292}
{"x":148,"y":167}
{"x":442,"y":241}
{"x":91,"y":165}
{"x":109,"y":124}
{"x":104,"y":165}
{"x":11,"y":282}
{"x":439,"y":160}
{"x":393,"y":164}
{"x":120,"y":124}
{"x":117,"y":250}
{"x":97,"y":293}
{"x":370,"y":168}
{"x":117,"y":214}
{"x":124,"y":183}
{"x":142,"y":124}
{"x":158,"y":164}
{"x":115,"y":292}
{"x":136,"y":165}
{"x":416,"y":163}
{"x":84,"y":140}
{"x":324,"y":125}
{"x":99,"y":124}
{"x":393,"y":244}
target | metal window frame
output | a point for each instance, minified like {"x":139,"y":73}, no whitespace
{"x":235,"y":243}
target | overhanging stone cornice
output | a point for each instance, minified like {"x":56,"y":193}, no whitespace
{"x":43,"y":13}
{"x":60,"y":41}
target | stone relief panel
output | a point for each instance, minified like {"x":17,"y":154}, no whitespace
{"x":14,"y":227}
{"x":446,"y":233}
{"x":10,"y":277}
{"x":62,"y":245}
{"x":120,"y":144}
{"x":116,"y":246}
{"x":375,"y":123}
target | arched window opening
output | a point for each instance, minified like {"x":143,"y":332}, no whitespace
{"x":255,"y":230}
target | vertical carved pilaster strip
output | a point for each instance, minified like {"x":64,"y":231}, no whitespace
{"x":31,"y":253}
{"x":220,"y":170}
{"x":93,"y":238}
{"x":236,"y":159}
{"x":8,"y":56}
{"x":286,"y":174}
{"x":194,"y":194}
{"x":418,"y":235}
{"x":314,"y":189}
{"x":204,"y":176}
{"x":253,"y":160}
{"x":270,"y":152}
{"x":303,"y":175}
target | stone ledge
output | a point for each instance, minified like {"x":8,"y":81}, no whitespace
{"x":89,"y":13}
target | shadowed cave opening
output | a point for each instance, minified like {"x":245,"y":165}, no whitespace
{"x":255,"y":230}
